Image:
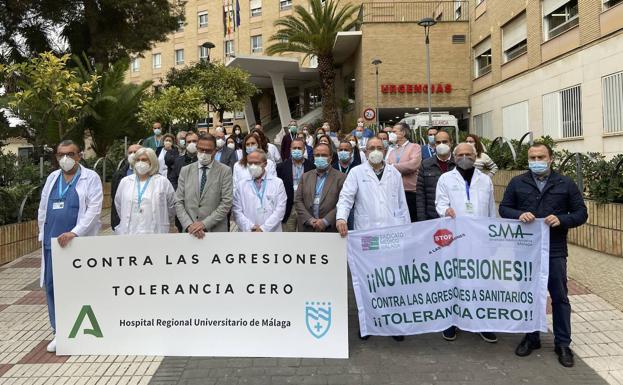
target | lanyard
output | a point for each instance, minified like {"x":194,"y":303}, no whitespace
{"x":402,"y":150}
{"x":141,"y":191}
{"x":260,"y":192}
{"x":342,"y":170}
{"x":467,"y":190}
{"x":62,"y":191}
{"x":430,"y":151}
{"x":320,"y":184}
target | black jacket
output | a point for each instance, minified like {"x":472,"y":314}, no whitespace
{"x":174,"y":172}
{"x":116,"y":179}
{"x":560,"y":197}
{"x":284,"y":172}
{"x":228,"y":157}
{"x":427,"y":186}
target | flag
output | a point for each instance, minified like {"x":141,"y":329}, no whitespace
{"x":230,"y":21}
{"x":237,"y":24}
{"x":224,"y":19}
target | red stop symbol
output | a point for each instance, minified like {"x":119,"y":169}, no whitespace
{"x":443,"y":237}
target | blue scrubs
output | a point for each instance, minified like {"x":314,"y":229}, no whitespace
{"x":61,"y":217}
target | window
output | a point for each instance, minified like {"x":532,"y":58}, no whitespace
{"x":514,"y":38}
{"x":483,"y":125}
{"x":458,"y":39}
{"x":482,"y":57}
{"x":135,"y":65}
{"x":229,"y":47}
{"x":203,"y":53}
{"x":562,"y":113}
{"x":558,"y":17}
{"x":457,"y":9}
{"x":256,"y":44}
{"x":611,"y":3}
{"x":256,"y":7}
{"x":285,"y":4}
{"x":612,"y":96}
{"x":515,"y":120}
{"x":202,"y":19}
{"x":179,"y":57}
{"x":156,"y":60}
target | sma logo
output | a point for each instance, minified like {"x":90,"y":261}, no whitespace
{"x":95,"y":330}
{"x":507,"y":231}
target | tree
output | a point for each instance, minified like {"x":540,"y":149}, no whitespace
{"x":106,"y":30}
{"x":224,"y":88}
{"x":313,"y":33}
{"x":173,"y":106}
{"x":49,"y":97}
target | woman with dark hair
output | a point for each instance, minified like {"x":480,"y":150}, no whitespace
{"x":270,"y":149}
{"x":236,"y":134}
{"x":358,"y":154}
{"x":483,"y":162}
{"x":320,"y":132}
{"x":232,"y":145}
{"x":169,"y":142}
{"x":251,"y":143}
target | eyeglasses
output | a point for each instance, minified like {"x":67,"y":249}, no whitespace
{"x":69,"y":154}
{"x":203,"y":151}
{"x":442,"y":141}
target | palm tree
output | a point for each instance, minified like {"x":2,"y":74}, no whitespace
{"x":313,"y":33}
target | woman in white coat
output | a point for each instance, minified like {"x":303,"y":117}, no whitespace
{"x":145,"y":201}
{"x":241,"y":172}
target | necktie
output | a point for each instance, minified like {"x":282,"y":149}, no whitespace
{"x":203,"y":179}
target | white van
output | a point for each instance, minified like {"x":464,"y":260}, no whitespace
{"x":441,"y":120}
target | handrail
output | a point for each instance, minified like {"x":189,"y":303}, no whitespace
{"x":105,"y":158}
{"x":528,"y":134}
{"x":23,"y":204}
{"x":507,"y":142}
{"x":579,"y":179}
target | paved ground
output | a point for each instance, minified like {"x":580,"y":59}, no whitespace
{"x":597,"y":327}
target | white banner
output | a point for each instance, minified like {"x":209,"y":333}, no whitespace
{"x":230,"y":294}
{"x":481,"y":274}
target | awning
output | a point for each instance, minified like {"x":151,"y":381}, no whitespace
{"x":345,"y":45}
{"x":260,"y":66}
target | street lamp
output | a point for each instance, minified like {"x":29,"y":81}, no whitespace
{"x":376,"y":63}
{"x":428,"y":22}
{"x":208,"y":45}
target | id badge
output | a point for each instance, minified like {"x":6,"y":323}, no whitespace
{"x":59,"y":205}
{"x":259,"y":215}
{"x":469,"y":207}
{"x":317,"y":200}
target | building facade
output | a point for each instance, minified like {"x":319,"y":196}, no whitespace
{"x":553,"y":67}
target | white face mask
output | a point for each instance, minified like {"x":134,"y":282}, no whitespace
{"x":66,"y":163}
{"x":231,"y":146}
{"x":168,"y":144}
{"x":353,"y":143}
{"x":220,"y":143}
{"x":360,"y":124}
{"x":141,"y":168}
{"x":191,"y":148}
{"x":204,"y":159}
{"x":393,"y":138}
{"x":255,"y":170}
{"x":375,"y":157}
{"x":442,"y":149}
{"x":131,"y":158}
{"x":182,"y":143}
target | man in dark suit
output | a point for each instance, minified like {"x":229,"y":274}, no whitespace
{"x":316,"y":198}
{"x":224,"y":154}
{"x":430,"y":171}
{"x":122,"y":172}
{"x":189,"y":157}
{"x":290,"y":172}
{"x":289,"y":134}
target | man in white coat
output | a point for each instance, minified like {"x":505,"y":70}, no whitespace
{"x":465,"y":191}
{"x":375,"y":189}
{"x":259,"y":201}
{"x":70,"y":206}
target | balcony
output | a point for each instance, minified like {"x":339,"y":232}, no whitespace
{"x":412,"y":12}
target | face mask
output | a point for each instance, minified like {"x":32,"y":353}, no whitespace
{"x":358,"y":134}
{"x":326,"y":127}
{"x":157,"y":131}
{"x":353,"y":143}
{"x":220,"y":143}
{"x":191,"y":148}
{"x":297,"y":154}
{"x":255,"y":170}
{"x":360,"y":124}
{"x":204,"y":159}
{"x":386,"y":144}
{"x":237,"y":132}
{"x":168,"y":144}
{"x":293,"y":129}
{"x":538,"y":167}
{"x":465,"y":163}
{"x":305,"y":132}
{"x":182,"y":143}
{"x":131,"y":158}
{"x":321,"y":162}
{"x":231,"y":146}
{"x":442,"y":149}
{"x":250,"y":149}
{"x":375,"y":157}
{"x":67,"y":163}
{"x":431,"y":139}
{"x":141,"y":168}
{"x":393,"y":138}
{"x":343,"y":155}
{"x":319,"y":136}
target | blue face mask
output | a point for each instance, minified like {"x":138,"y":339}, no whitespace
{"x":358,"y":134}
{"x":321,"y":162}
{"x":250,"y":149}
{"x":297,"y":154}
{"x":343,"y":155}
{"x":538,"y":167}
{"x":386,"y":144}
{"x":431,"y":139}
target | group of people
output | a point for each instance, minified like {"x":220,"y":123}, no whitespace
{"x":323,"y":183}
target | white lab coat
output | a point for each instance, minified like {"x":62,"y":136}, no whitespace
{"x":91,"y":195}
{"x":162,"y":204}
{"x":242,"y":173}
{"x":273,"y":153}
{"x":163,"y":167}
{"x":377,"y":203}
{"x":247,"y":203}
{"x":451,"y":192}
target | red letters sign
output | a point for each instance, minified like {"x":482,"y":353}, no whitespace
{"x":439,"y":88}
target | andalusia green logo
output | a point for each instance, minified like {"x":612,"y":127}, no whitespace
{"x":86,"y":312}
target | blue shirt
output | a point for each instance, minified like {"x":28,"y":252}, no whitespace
{"x":60,"y":220}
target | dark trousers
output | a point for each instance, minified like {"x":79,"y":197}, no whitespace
{"x":561,"y":309}
{"x":410,"y":195}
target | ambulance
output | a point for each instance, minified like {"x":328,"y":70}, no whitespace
{"x":441,"y":121}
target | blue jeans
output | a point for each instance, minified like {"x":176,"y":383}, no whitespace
{"x":48,"y":285}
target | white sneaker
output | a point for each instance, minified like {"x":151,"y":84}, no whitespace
{"x":52,"y":346}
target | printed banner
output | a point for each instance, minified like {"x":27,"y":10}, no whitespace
{"x":480,"y":274}
{"x":229,"y":294}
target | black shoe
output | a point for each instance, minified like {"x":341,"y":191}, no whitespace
{"x":398,"y":338}
{"x":489,"y":337}
{"x":449,"y":334}
{"x":565,"y":356}
{"x":363,"y":338}
{"x":526,"y":347}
